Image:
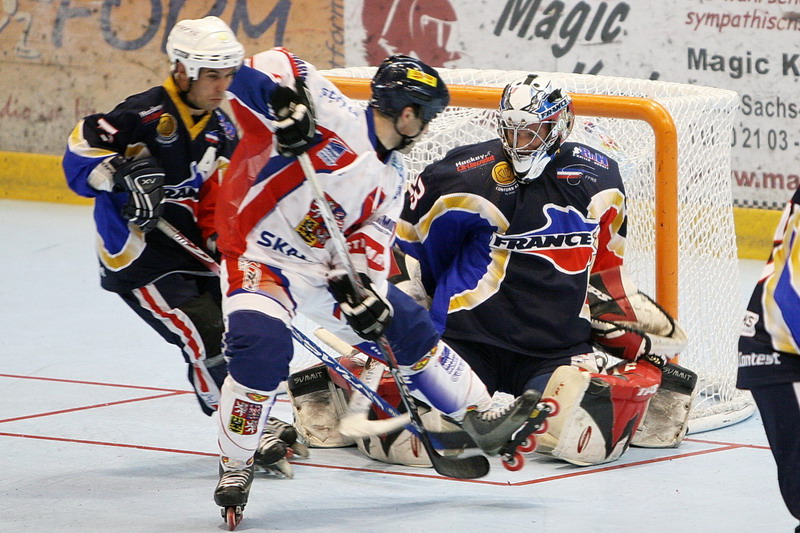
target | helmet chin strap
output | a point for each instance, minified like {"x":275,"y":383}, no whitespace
{"x":185,"y":94}
{"x":406,"y":140}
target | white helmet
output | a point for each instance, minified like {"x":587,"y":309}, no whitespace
{"x":527,"y":105}
{"x":203,"y":43}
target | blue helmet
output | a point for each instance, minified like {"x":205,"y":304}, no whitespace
{"x":403,"y":81}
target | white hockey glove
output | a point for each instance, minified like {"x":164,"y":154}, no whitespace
{"x":368,"y":316}
{"x":143,"y":179}
{"x":295,"y":114}
{"x":628,"y":324}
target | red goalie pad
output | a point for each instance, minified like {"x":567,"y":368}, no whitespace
{"x":599,"y":413}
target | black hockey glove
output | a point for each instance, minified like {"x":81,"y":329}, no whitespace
{"x":144,"y":180}
{"x":370,"y":316}
{"x":295,"y":114}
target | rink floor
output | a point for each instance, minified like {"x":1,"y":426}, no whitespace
{"x":99,"y":432}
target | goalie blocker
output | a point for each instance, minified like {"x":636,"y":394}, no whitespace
{"x":644,"y":401}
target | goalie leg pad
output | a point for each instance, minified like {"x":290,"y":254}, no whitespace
{"x":401,"y":447}
{"x":667,"y":418}
{"x":598,"y":413}
{"x":318,"y":404}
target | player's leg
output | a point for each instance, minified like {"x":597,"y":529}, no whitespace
{"x":437,"y":375}
{"x":779,"y":406}
{"x":258,"y":345}
{"x":185,"y":310}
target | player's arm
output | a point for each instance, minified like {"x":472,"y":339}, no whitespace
{"x":439,"y":218}
{"x":608,"y":207}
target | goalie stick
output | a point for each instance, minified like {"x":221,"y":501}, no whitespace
{"x":457,"y":467}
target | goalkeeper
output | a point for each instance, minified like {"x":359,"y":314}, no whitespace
{"x":508,"y":234}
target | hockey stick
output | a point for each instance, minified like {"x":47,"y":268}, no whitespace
{"x":457,"y":467}
{"x":173,"y":233}
{"x":355,"y":422}
{"x":445,"y":440}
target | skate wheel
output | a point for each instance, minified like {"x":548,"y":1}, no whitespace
{"x":514,"y":462}
{"x":232,"y":516}
{"x":542,"y":429}
{"x":553,"y":406}
{"x":528,"y":445}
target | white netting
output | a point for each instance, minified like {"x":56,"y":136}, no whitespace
{"x":709,"y":305}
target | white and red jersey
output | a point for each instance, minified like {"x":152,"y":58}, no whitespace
{"x":267,"y":211}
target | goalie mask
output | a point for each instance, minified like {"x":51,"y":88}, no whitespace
{"x":203,"y":43}
{"x":533,"y":121}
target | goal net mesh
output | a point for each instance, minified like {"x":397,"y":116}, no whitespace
{"x":709,"y":294}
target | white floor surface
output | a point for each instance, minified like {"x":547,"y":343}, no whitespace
{"x":98,"y":432}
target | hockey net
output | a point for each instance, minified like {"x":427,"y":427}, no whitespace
{"x":708,"y":298}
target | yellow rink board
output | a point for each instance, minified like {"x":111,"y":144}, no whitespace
{"x":39,"y":177}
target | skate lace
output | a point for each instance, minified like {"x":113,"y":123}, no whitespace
{"x":275,"y":425}
{"x":266,"y":442}
{"x":234,"y":478}
{"x":495,"y":413}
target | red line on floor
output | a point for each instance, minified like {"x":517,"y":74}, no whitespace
{"x":576,"y":473}
{"x":107,"y":404}
{"x":79,"y":382}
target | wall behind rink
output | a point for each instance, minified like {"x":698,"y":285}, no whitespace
{"x":64,"y":59}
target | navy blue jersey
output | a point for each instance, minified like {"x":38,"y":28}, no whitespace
{"x":508,"y":264}
{"x":769,"y":345}
{"x":193,"y":153}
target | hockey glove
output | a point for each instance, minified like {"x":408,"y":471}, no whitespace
{"x":368,"y":316}
{"x":144,"y":180}
{"x":295,"y":114}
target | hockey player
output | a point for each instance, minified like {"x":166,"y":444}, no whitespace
{"x":507,"y":233}
{"x":769,"y":353}
{"x":159,"y":155}
{"x":278,"y":258}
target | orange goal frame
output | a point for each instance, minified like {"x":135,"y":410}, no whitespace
{"x":666,"y":161}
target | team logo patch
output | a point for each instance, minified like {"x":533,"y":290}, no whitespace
{"x":422,"y":363}
{"x":566,"y":240}
{"x":582,"y":152}
{"x":332,"y":152}
{"x":475,"y":162}
{"x":312,"y":228}
{"x":244,"y":418}
{"x":260,"y":398}
{"x":251,"y":275}
{"x":167,"y":129}
{"x":503,"y":175}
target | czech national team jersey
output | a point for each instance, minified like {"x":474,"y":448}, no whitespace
{"x":193,"y":155}
{"x":769,"y":345}
{"x":518,"y":257}
{"x":267,"y":210}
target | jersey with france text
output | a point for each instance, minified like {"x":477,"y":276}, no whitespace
{"x":508,"y":264}
{"x":267,"y":211}
{"x":769,"y":344}
{"x":194,"y":155}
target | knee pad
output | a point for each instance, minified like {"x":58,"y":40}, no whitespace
{"x":598,"y":413}
{"x":259,"y":349}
